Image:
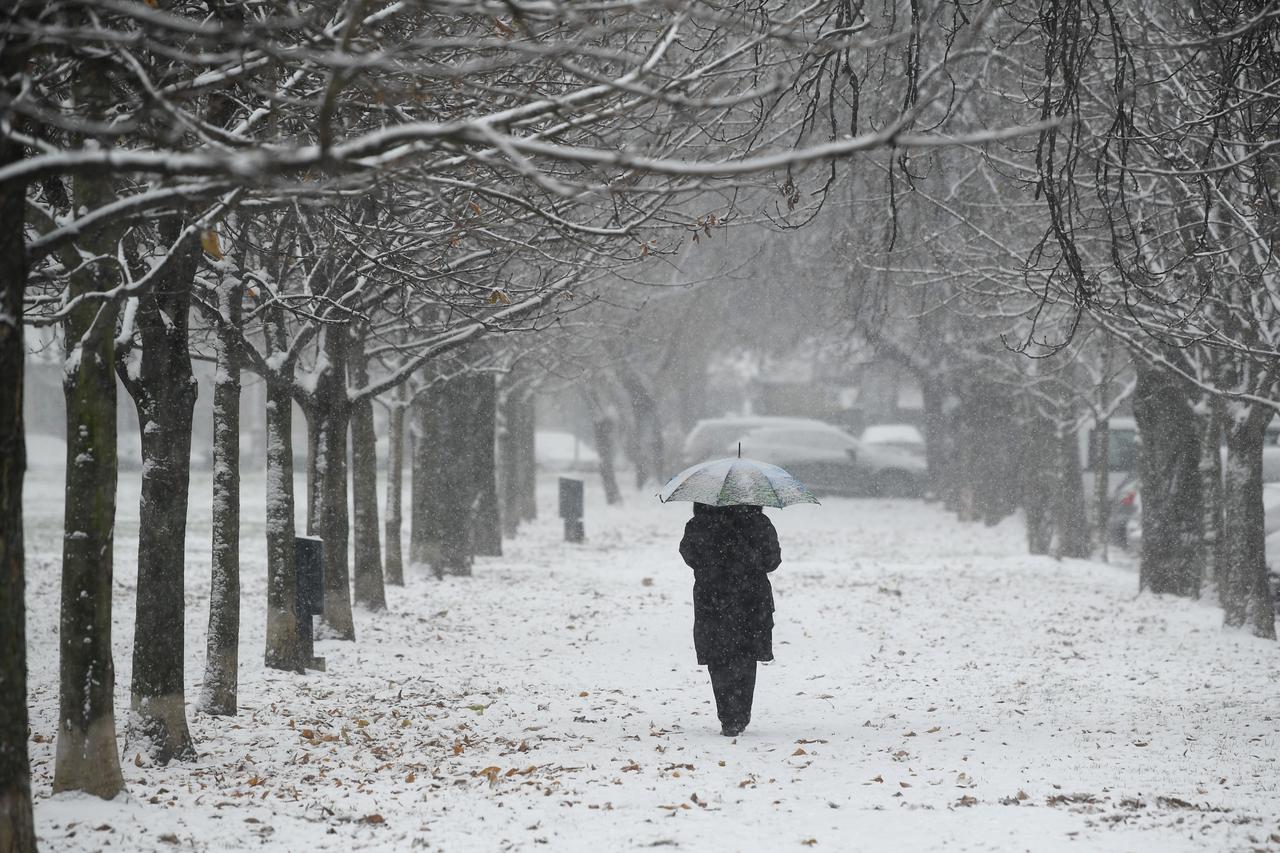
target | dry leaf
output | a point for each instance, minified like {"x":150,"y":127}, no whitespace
{"x":209,"y":242}
{"x":799,"y":751}
{"x":410,"y":777}
{"x":372,"y":818}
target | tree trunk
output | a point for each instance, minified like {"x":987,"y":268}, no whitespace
{"x":87,"y":756}
{"x":603,"y":428}
{"x":283,"y":650}
{"x":451,"y":492}
{"x":985,"y":474}
{"x":313,"y":478}
{"x":1246,"y":594}
{"x":1211,"y":477}
{"x":509,"y":461}
{"x":933,"y":396}
{"x":395,"y":488}
{"x":422,"y":492}
{"x":1100,"y":461}
{"x":328,"y":419}
{"x":17,"y":830}
{"x":369,"y":589}
{"x":219,"y":694}
{"x":331,"y":417}
{"x":487,"y":518}
{"x":649,"y":450}
{"x":526,"y":455}
{"x":1038,"y":474}
{"x":1171,"y":500}
{"x":1071,"y":514}
{"x":157,"y":374}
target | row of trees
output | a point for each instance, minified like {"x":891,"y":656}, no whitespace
{"x":1123,"y":260}
{"x":1131,"y":253}
{"x":360,"y":202}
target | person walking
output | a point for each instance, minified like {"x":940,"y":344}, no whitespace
{"x":732,"y":550}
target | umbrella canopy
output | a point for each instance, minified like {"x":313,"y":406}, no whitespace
{"x":736,"y":482}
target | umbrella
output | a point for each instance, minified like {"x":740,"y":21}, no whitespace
{"x":736,"y":481}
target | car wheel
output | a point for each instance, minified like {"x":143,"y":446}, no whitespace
{"x":896,"y":484}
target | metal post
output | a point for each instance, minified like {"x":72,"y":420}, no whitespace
{"x":571,"y":509}
{"x":309,"y":598}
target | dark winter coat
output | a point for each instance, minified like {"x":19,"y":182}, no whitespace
{"x":731,"y":551}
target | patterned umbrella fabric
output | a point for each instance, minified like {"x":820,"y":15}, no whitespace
{"x":736,"y":482}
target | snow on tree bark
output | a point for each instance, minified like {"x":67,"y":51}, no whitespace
{"x":367,"y":567}
{"x":17,"y":831}
{"x":87,"y":758}
{"x":220,"y":691}
{"x":1171,"y":560}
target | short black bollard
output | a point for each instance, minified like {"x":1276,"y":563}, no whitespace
{"x":571,"y":509}
{"x":309,"y":600}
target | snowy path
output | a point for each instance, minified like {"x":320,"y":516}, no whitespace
{"x":934,"y":689}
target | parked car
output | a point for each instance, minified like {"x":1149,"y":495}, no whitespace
{"x":709,"y":437}
{"x":831,"y":461}
{"x":902,"y":436}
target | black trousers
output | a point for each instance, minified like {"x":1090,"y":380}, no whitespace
{"x":734,"y":685}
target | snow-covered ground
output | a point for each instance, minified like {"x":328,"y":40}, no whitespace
{"x":934,"y":689}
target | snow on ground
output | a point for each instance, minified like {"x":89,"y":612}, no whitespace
{"x":934,"y":689}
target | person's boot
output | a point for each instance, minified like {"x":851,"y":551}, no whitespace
{"x":732,"y":729}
